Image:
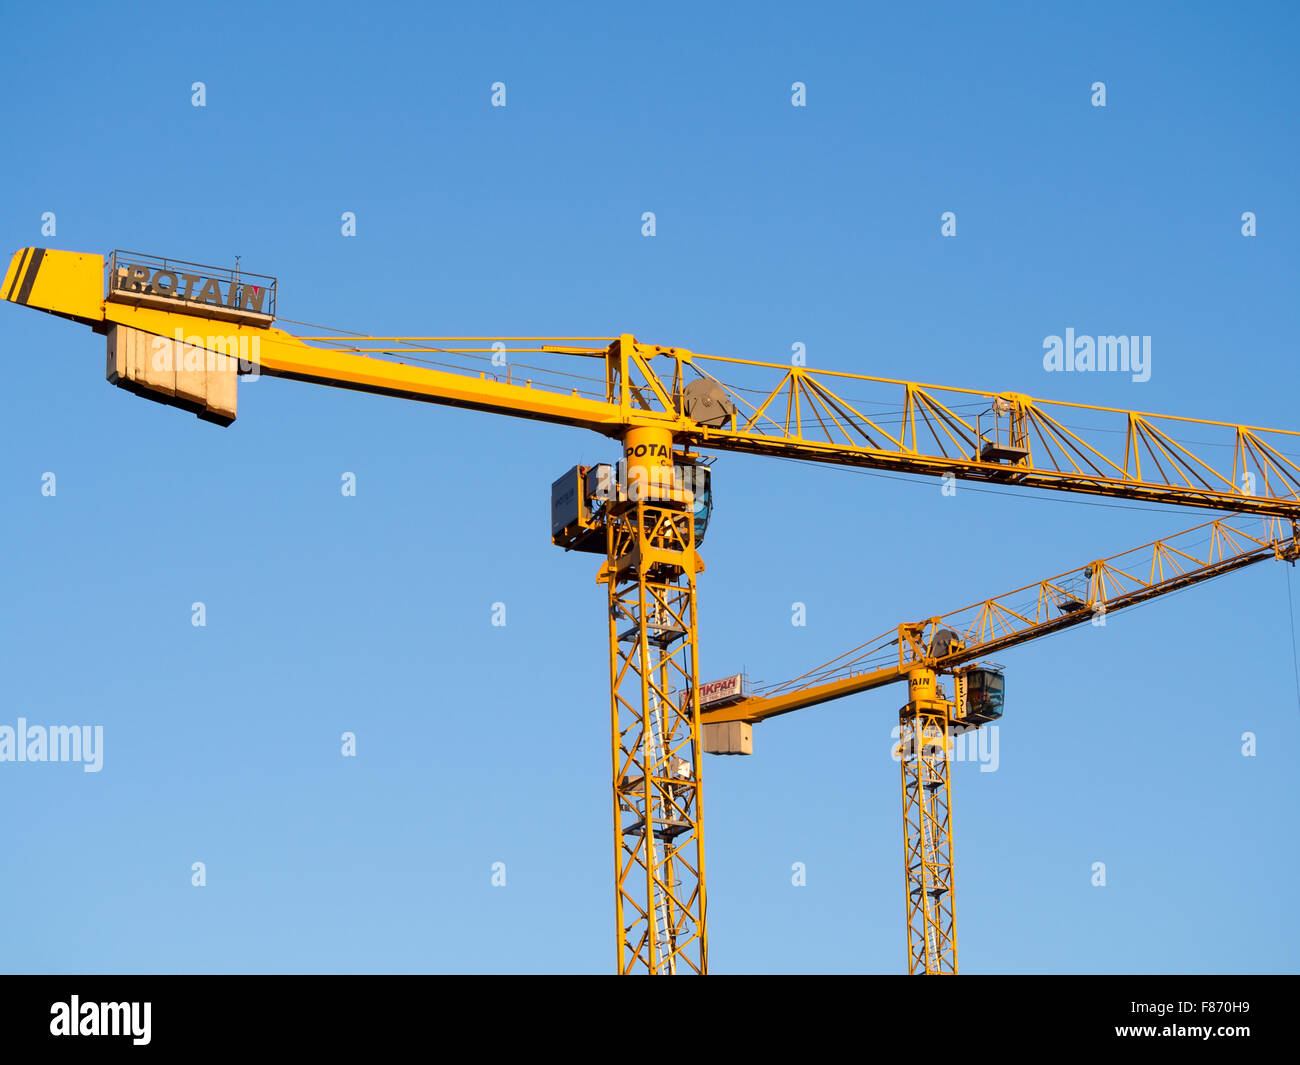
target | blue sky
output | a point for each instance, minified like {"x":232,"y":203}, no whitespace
{"x":775,"y":225}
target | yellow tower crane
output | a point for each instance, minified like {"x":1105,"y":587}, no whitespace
{"x":952,"y":644}
{"x":181,"y":333}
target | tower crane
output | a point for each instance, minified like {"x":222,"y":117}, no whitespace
{"x":181,"y":333}
{"x":954,"y":644}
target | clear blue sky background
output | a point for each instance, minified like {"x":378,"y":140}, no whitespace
{"x":775,"y":225}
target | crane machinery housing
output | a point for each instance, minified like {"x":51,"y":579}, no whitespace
{"x":182,"y":334}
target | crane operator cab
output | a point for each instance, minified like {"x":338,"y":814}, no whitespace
{"x":578,"y":499}
{"x":701,"y":478}
{"x":980,"y":690}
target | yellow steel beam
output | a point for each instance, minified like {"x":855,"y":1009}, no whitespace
{"x":1080,"y":595}
{"x":854,"y":419}
{"x":928,"y":865}
{"x":659,"y":884}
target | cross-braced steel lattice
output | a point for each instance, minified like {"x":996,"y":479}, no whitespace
{"x":658,"y":845}
{"x":927,"y":839}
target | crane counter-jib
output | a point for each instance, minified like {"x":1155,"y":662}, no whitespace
{"x":183,"y":334}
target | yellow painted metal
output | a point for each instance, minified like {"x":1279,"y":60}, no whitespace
{"x":787,"y":411}
{"x":660,"y":899}
{"x":58,"y":282}
{"x":648,"y":458}
{"x":916,"y":651}
{"x":924,"y":749}
{"x":1079,"y":596}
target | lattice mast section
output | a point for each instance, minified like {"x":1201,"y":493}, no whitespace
{"x":924,"y":737}
{"x":658,"y":844}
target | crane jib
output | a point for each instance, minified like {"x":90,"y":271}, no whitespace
{"x":184,"y":334}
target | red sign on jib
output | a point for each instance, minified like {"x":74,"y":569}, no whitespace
{"x":728,"y":689}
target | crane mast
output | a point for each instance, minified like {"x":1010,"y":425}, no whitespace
{"x":650,"y":569}
{"x":923,"y":747}
{"x":183,"y":334}
{"x":919,"y":652}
